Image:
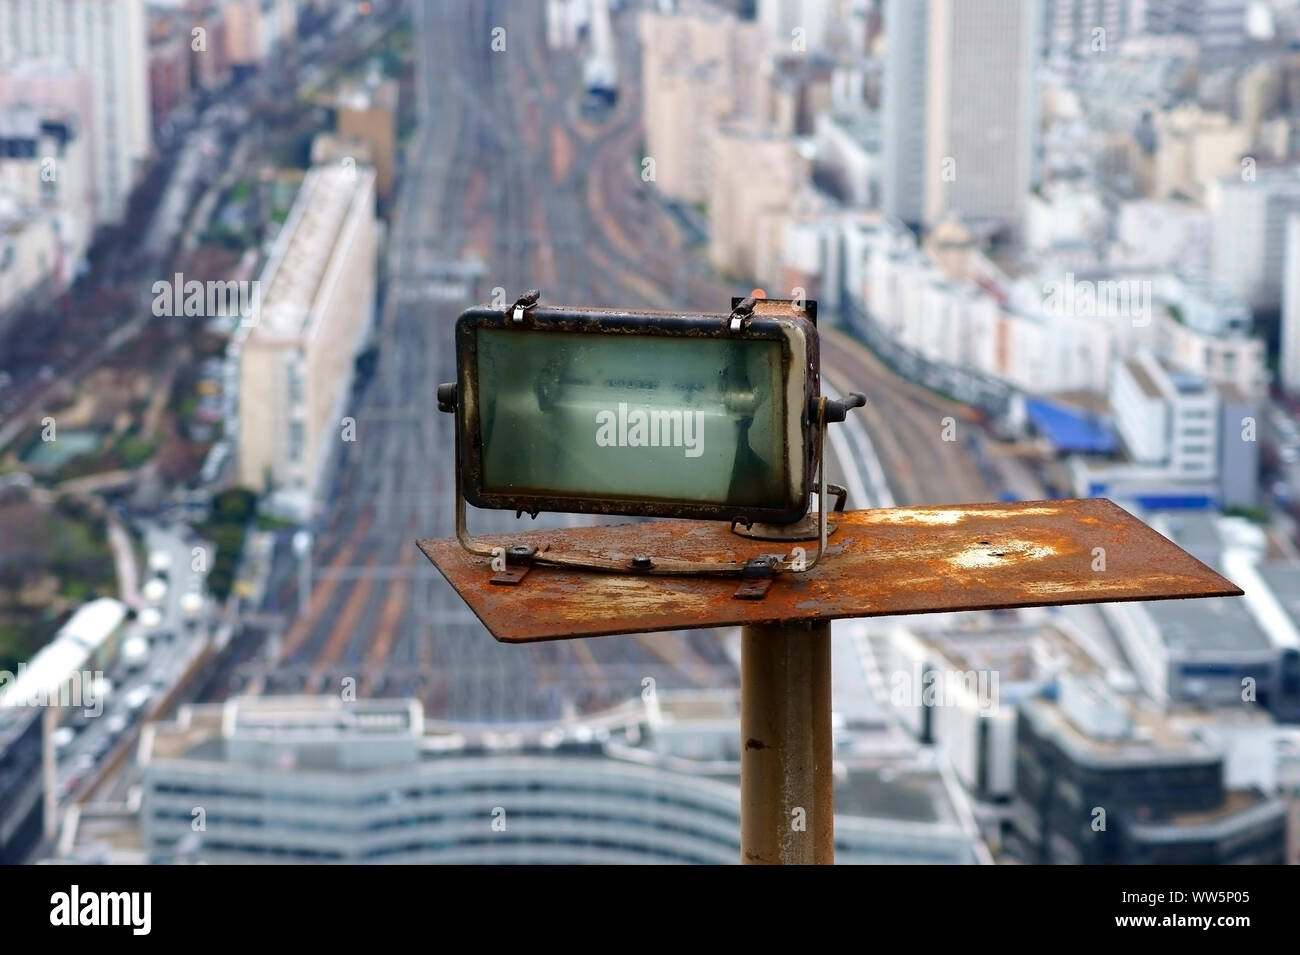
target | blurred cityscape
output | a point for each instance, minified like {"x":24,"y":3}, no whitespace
{"x":1055,"y":242}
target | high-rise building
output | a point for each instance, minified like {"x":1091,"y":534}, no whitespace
{"x":901,"y":188}
{"x":1250,"y":215}
{"x":1290,"y":359}
{"x":310,"y":314}
{"x":106,"y":38}
{"x":959,"y":106}
{"x":979,"y":111}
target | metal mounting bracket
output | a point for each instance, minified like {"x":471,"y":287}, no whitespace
{"x":756,"y":579}
{"x":519,"y":562}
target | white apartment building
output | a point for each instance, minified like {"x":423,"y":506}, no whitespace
{"x":952,"y":308}
{"x":296,"y":356}
{"x":1290,"y":357}
{"x":1166,"y":418}
{"x":936,"y":696}
{"x":1204,"y":329}
{"x":849,"y":153}
{"x":1065,"y":213}
{"x":1048,"y":331}
{"x":29,"y":253}
{"x":43,"y":165}
{"x":107,"y":39}
{"x":1250,"y":217}
{"x":1184,"y":437}
{"x":1160,"y":234}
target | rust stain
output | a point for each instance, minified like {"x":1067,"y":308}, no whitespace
{"x":999,"y":554}
{"x":637,"y":595}
{"x":948,"y":516}
{"x":899,"y":561}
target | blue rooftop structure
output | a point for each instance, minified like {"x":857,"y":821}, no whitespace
{"x":1070,"y":429}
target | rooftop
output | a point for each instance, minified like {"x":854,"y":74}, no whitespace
{"x":1072,"y":429}
{"x":1153,"y":739}
{"x":1217,"y":823}
{"x":1212,"y":624}
{"x":1143,"y":379}
{"x":305,"y":249}
{"x":893,"y":790}
{"x":1283,"y":578}
{"x":311,"y":719}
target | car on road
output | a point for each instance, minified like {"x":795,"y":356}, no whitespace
{"x":135,"y":653}
{"x":116,"y":724}
{"x":138,"y":697}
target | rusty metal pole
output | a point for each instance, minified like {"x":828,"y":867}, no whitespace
{"x":786,"y":780}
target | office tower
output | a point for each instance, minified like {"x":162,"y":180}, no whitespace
{"x":107,"y":39}
{"x":1250,"y":216}
{"x":902,"y":192}
{"x":959,"y":110}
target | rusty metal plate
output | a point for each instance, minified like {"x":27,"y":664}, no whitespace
{"x":878,"y":562}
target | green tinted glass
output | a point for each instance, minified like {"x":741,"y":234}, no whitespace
{"x":635,"y":417}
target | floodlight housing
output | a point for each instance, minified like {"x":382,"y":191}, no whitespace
{"x":653,"y":414}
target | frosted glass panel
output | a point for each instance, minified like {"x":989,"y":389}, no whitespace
{"x":633,"y":416}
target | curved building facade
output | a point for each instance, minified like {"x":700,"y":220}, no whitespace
{"x":319,"y":780}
